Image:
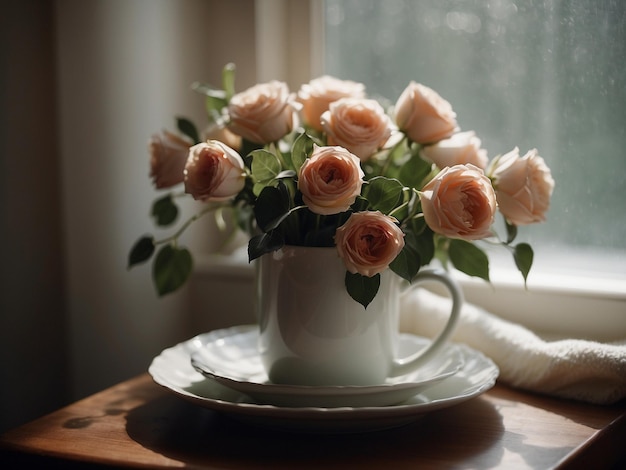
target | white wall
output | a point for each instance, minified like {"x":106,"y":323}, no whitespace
{"x":124,"y":72}
{"x":117,"y":71}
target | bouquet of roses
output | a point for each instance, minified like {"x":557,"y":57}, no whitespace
{"x":327,"y":166}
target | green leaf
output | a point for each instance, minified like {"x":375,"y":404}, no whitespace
{"x":271,"y":206}
{"x":265,"y":168}
{"x":264,"y":243}
{"x":468,"y":258}
{"x":141,"y":251}
{"x":302,"y":148}
{"x":360,"y":204}
{"x":214,"y":108}
{"x":511,"y":232}
{"x":361,"y":288}
{"x":523,"y":256}
{"x":228,"y":80}
{"x":188,"y":128}
{"x":406,"y":264}
{"x":164,"y":211}
{"x":216,"y":99}
{"x":401,"y":213}
{"x":413,"y":171}
{"x":383,"y":194}
{"x":171,"y":269}
{"x":421,"y":240}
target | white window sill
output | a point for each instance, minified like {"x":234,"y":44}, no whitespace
{"x":553,"y":305}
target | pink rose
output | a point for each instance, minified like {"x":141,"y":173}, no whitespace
{"x":330,"y":180}
{"x":214,"y":171}
{"x":263,"y":113}
{"x":423,"y":115}
{"x":358,"y":124}
{"x":460,"y":203}
{"x":523,"y":187}
{"x":462,"y":147}
{"x":317,"y":95}
{"x":368,"y":242}
{"x":168,"y":155}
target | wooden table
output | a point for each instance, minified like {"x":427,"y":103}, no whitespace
{"x":141,"y":425}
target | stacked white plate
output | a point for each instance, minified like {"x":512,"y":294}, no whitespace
{"x":221,"y":370}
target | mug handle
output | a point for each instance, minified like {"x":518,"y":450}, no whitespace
{"x":409,"y":364}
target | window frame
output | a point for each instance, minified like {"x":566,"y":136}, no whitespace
{"x":553,"y":304}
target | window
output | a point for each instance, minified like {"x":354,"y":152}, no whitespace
{"x":543,"y":74}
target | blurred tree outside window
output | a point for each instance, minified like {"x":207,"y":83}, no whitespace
{"x":544,"y":74}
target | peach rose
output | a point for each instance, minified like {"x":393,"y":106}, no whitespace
{"x":168,"y":155}
{"x":330,"y":180}
{"x":214,"y":171}
{"x":223,"y":134}
{"x":462,"y":147}
{"x":460,"y":203}
{"x":263,"y":113}
{"x":358,"y":124}
{"x":317,"y":95}
{"x":423,"y":115}
{"x":523,"y":187}
{"x":368,"y":242}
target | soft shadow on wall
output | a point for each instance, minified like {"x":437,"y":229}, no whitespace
{"x":84,"y":86}
{"x":33,"y":337}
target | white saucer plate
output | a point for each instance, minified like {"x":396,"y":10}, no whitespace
{"x":230,"y":357}
{"x":172,"y":370}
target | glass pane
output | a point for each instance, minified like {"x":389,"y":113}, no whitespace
{"x":544,"y":74}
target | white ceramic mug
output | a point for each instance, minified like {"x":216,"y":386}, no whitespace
{"x":313,"y":333}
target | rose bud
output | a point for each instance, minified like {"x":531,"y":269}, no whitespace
{"x":214,"y":171}
{"x":168,"y":155}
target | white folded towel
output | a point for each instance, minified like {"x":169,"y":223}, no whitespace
{"x":573,"y":368}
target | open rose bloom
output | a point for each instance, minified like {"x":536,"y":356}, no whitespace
{"x":263,"y":113}
{"x":423,"y":115}
{"x":328,"y":166}
{"x":368,"y":242}
{"x":330,"y":180}
{"x":317,"y":95}
{"x":360,"y":125}
{"x":459,"y":149}
{"x":523,"y":187}
{"x":460,"y":203}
